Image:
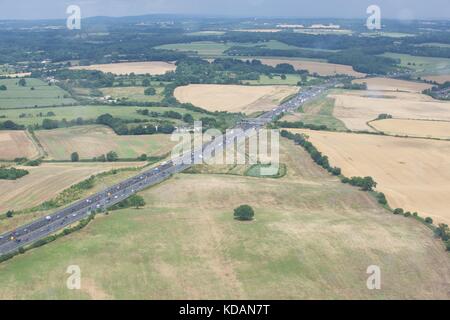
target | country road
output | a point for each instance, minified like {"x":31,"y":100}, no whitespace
{"x":27,"y":234}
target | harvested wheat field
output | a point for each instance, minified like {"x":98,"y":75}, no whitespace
{"x":234,"y":98}
{"x":49,"y":179}
{"x":387,"y":84}
{"x":16,"y":144}
{"x":413,"y":128}
{"x":413,"y":173}
{"x":321,"y":68}
{"x":150,"y":67}
{"x":356,"y":108}
{"x":439,"y":79}
{"x":93,"y":141}
{"x":312,"y":238}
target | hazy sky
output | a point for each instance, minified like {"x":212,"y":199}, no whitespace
{"x":402,"y":9}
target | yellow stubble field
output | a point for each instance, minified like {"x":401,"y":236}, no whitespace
{"x":413,"y":173}
{"x":356,"y":108}
{"x":321,"y":68}
{"x":413,"y":128}
{"x":150,"y":67}
{"x":234,"y":98}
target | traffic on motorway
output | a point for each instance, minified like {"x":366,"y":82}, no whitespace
{"x":11,"y":241}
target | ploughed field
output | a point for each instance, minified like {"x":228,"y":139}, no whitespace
{"x":234,"y":98}
{"x":414,"y":174}
{"x":312,"y":238}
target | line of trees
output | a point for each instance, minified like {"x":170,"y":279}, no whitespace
{"x":120,"y":126}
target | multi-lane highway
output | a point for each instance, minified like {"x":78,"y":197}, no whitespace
{"x":45,"y":226}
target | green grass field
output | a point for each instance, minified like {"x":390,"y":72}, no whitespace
{"x":209,"y":48}
{"x":422,"y":66}
{"x":43,"y":95}
{"x":312,"y":238}
{"x":291,"y":80}
{"x":133,"y":94}
{"x":85,"y":112}
{"x":317,"y":112}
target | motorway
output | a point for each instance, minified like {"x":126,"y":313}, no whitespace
{"x":27,"y":234}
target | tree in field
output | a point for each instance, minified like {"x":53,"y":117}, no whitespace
{"x":112,"y":156}
{"x":75,"y":157}
{"x":136,"y":201}
{"x":442,"y":231}
{"x":22,"y":82}
{"x":3,"y":87}
{"x":9,"y":214}
{"x":143,"y":157}
{"x":428,"y":220}
{"x":146,"y":82}
{"x":150,"y":91}
{"x":304,"y":78}
{"x":188,"y":118}
{"x":244,"y":213}
{"x":283,"y":77}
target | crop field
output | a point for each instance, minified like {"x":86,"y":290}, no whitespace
{"x":356,"y":108}
{"x":413,"y":128}
{"x":321,"y":68}
{"x":85,"y":112}
{"x":16,"y":144}
{"x":413,"y":173}
{"x":92,"y":141}
{"x":17,"y":96}
{"x":49,"y":179}
{"x":386,"y":84}
{"x":312,"y":238}
{"x":150,"y":67}
{"x":133,"y":94}
{"x":234,"y":98}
